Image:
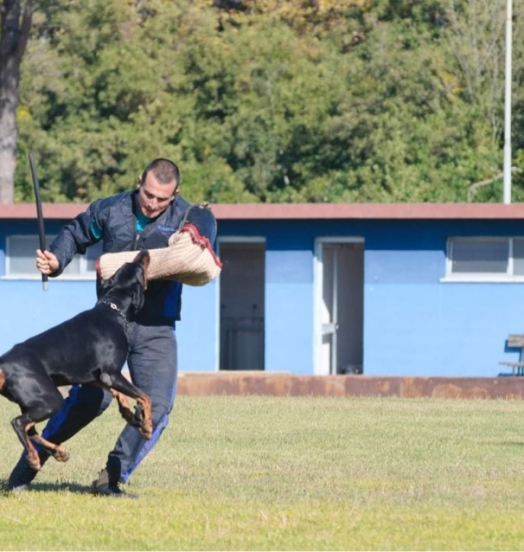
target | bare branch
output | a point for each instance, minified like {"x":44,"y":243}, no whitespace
{"x":477,"y":185}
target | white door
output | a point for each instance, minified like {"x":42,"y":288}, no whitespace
{"x":339,"y":305}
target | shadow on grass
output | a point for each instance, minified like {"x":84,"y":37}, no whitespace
{"x":511,"y":443}
{"x":46,"y":487}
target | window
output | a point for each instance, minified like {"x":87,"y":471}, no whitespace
{"x":20,"y":259}
{"x":485,"y":258}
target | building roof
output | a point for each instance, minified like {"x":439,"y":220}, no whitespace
{"x":304,"y":211}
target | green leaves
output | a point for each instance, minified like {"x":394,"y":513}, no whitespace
{"x":296,"y":101}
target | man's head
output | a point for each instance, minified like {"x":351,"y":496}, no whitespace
{"x":157,"y":187}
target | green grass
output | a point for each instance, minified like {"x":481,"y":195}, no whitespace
{"x":284,"y":473}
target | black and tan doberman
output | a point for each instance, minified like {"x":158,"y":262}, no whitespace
{"x":89,"y":348}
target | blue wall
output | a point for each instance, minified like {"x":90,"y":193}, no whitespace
{"x":414,"y":323}
{"x":28,"y":310}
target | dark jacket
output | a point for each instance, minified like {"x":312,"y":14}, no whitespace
{"x":115,"y":217}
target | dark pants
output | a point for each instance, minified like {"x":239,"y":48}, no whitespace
{"x":152,"y":364}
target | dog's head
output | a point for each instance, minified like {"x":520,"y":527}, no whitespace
{"x":127,"y":286}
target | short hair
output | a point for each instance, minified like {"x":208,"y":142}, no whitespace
{"x":165,"y":171}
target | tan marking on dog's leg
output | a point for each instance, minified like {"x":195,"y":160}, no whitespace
{"x":146,"y":423}
{"x":32,"y":456}
{"x":56,"y":451}
{"x":2,"y":379}
{"x":123,"y":406}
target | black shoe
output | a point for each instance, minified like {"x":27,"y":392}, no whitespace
{"x":22,"y":475}
{"x":102,"y":487}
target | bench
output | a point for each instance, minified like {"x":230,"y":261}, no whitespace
{"x":516,"y":341}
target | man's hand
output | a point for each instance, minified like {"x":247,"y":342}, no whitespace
{"x":46,"y":262}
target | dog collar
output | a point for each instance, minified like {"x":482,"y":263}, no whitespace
{"x":114,"y":307}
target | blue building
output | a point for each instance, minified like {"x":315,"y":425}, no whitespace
{"x":315,"y":289}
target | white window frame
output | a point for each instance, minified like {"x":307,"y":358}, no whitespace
{"x":83,"y":272}
{"x":507,"y":277}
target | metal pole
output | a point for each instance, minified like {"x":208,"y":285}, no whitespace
{"x":507,"y":107}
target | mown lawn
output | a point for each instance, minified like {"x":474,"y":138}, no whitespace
{"x":273,"y":473}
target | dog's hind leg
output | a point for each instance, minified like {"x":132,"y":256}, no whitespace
{"x":28,"y":436}
{"x":56,"y":451}
{"x":37,"y":410}
{"x":21,"y":430}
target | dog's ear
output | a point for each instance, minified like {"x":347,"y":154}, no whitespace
{"x":143,"y":258}
{"x":104,"y":286}
{"x":138,"y":299}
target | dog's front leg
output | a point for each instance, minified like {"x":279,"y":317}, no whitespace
{"x":123,"y":406}
{"x":120,"y":386}
{"x":146,"y":422}
{"x":143,"y":420}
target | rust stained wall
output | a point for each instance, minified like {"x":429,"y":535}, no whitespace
{"x":256,"y":383}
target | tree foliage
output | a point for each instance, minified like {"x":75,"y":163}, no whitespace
{"x":270,"y":101}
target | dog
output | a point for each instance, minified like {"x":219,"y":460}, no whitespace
{"x":89,"y":348}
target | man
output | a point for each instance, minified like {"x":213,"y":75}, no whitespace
{"x":144,"y":218}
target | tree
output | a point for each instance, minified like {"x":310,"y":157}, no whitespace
{"x":306,"y":100}
{"x":16,"y":17}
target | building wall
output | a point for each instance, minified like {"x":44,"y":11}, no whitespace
{"x":418,"y":325}
{"x":415,"y":324}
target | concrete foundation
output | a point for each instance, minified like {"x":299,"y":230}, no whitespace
{"x":280,"y":384}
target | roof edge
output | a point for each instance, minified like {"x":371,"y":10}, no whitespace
{"x":306,"y":211}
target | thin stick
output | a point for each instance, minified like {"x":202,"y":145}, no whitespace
{"x":39,"y":214}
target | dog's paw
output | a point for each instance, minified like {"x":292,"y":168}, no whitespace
{"x":60,"y":455}
{"x":146,"y":431}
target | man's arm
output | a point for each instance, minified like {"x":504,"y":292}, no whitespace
{"x":74,"y":237}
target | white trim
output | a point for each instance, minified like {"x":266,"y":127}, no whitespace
{"x":216,"y":367}
{"x":339,"y":239}
{"x":241,"y":239}
{"x":510,"y":255}
{"x":483,"y":278}
{"x":61,"y":278}
{"x":449,"y":256}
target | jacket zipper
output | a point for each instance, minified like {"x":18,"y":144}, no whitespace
{"x":137,"y":234}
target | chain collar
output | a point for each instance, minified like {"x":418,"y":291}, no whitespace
{"x":114,"y":307}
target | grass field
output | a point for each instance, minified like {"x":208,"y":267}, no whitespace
{"x":274,"y":473}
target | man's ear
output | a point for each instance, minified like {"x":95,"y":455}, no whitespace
{"x":139,"y":181}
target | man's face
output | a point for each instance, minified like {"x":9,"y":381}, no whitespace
{"x":154,"y":197}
